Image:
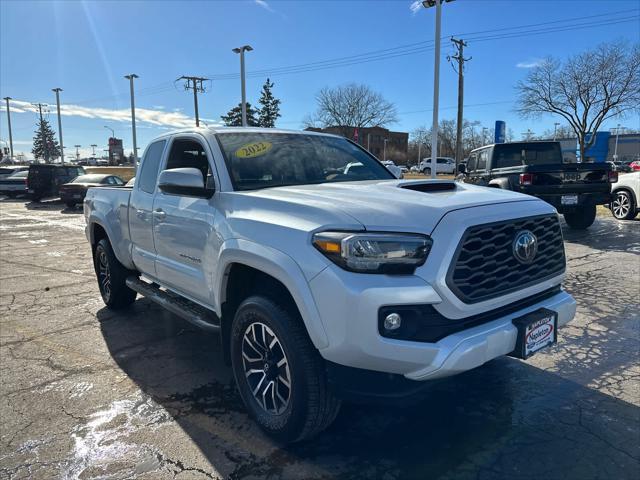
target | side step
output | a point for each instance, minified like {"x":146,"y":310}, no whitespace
{"x":190,"y":311}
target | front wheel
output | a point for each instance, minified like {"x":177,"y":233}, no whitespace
{"x":622,"y":206}
{"x":427,"y":171}
{"x":279,"y":373}
{"x":112,"y":276}
{"x":582,"y":218}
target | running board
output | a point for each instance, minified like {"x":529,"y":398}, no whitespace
{"x":186,"y":309}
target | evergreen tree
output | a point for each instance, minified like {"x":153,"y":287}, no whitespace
{"x":45,"y":144}
{"x":270,"y":110}
{"x":234,"y":117}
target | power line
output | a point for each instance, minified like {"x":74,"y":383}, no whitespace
{"x":403,"y":50}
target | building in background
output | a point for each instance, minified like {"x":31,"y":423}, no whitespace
{"x":603,"y":148}
{"x":373,"y":139}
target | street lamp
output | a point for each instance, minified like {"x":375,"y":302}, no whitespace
{"x":436,"y":81}
{"x":384,"y":149}
{"x":113,"y":132}
{"x":615,"y":150}
{"x":131,"y":77}
{"x":241,"y":50}
{"x":555,"y":130}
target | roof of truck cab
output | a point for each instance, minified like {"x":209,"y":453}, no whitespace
{"x":220,"y":130}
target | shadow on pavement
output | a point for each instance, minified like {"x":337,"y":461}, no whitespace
{"x":53,"y":205}
{"x":507,"y":419}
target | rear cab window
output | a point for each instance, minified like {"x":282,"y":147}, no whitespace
{"x":534,"y":153}
{"x":150,"y":166}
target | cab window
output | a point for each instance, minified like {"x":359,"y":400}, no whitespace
{"x":150,"y":166}
{"x":473,"y":161}
{"x":482,"y":160}
{"x":188,"y":153}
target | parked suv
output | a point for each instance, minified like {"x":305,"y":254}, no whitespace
{"x":443,"y":165}
{"x":326,"y":277}
{"x":44,"y":180}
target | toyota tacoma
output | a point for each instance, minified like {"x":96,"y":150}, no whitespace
{"x":326,"y":283}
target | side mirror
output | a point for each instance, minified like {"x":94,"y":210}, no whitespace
{"x":184,"y":181}
{"x":462,"y":168}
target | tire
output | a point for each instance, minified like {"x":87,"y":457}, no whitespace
{"x":306,"y":406}
{"x":623,"y":207}
{"x":427,"y":171}
{"x":581,"y":219}
{"x":112,"y":275}
{"x":11,"y":195}
{"x":36,"y":198}
{"x":70,"y":204}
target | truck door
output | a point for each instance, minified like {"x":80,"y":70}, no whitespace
{"x":183,"y":226}
{"x":143,"y":251}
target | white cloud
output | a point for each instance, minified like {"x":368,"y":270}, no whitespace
{"x":415,"y":6}
{"x":263,"y":4}
{"x":529,"y":63}
{"x":158,"y":118}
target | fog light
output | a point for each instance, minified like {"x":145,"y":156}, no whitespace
{"x":392,"y":321}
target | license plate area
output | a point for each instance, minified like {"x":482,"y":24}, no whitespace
{"x":569,"y":199}
{"x":536,"y":331}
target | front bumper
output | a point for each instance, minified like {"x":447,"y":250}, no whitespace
{"x":350,"y":317}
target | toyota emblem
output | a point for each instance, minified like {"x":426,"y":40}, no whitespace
{"x":525,"y":247}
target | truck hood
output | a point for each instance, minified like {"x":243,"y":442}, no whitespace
{"x":389,"y":205}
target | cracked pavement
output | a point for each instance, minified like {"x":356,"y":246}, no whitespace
{"x":88,"y":393}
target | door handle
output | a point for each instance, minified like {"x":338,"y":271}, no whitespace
{"x":160,"y":214}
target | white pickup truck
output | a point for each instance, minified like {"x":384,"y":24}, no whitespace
{"x":326,"y":284}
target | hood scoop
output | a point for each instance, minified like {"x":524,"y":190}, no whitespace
{"x":429,"y":187}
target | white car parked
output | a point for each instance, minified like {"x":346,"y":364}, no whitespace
{"x":444,"y":165}
{"x":393,"y":168}
{"x":326,"y":282}
{"x":625,"y":194}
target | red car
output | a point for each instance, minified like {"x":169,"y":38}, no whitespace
{"x":635,"y":166}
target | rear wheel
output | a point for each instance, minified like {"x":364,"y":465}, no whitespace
{"x":427,"y":171}
{"x":623,"y":207}
{"x":279,"y":373}
{"x":112,"y":276}
{"x":582,"y":218}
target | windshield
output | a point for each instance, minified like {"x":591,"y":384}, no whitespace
{"x":513,"y":154}
{"x":261,"y":160}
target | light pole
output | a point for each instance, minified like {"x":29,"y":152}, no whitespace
{"x":241,"y":50}
{"x":77,"y":151}
{"x":615,"y":150}
{"x":93,"y":149}
{"x":113,"y":132}
{"x":436,"y":81}
{"x":555,"y":130}
{"x":384,"y":149}
{"x":131,"y":77}
{"x":6,"y":99}
{"x":58,"y":90}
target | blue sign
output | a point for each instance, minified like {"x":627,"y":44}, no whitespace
{"x":500,"y":132}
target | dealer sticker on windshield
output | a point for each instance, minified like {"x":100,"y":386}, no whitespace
{"x":536,"y":331}
{"x":251,"y":150}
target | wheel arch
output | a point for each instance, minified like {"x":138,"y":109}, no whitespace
{"x":246,"y":268}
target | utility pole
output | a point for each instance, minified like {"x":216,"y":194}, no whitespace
{"x":615,"y":151}
{"x":241,"y":50}
{"x":58,"y":90}
{"x":46,"y":144}
{"x":131,"y":77}
{"x":384,"y":154}
{"x":436,"y":89}
{"x":6,"y":99}
{"x":555,"y":130}
{"x":528,"y":134}
{"x":195,"y":84}
{"x":459,"y":57}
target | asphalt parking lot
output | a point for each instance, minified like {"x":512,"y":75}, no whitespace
{"x":88,"y":393}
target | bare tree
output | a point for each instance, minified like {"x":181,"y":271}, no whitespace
{"x":587,"y":90}
{"x":351,"y":105}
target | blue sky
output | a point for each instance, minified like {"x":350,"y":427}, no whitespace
{"x":85,"y":47}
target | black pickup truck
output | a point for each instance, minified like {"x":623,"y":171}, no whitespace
{"x":537,"y":168}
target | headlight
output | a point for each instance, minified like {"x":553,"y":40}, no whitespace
{"x":398,"y":253}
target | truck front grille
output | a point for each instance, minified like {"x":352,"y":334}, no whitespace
{"x":484,"y":265}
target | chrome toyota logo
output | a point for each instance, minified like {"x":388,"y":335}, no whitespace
{"x":525,"y":247}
